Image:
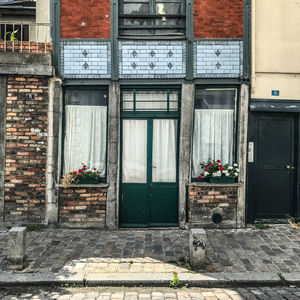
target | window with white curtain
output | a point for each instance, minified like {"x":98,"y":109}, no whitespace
{"x":85,"y":135}
{"x":214,"y":127}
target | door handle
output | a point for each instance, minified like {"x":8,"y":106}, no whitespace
{"x":289,"y":167}
{"x":153,"y":167}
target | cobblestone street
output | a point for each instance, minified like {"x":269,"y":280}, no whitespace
{"x":263,"y":293}
{"x":272,"y":250}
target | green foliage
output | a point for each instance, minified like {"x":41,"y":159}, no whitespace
{"x":34,"y":227}
{"x":261,"y":226}
{"x":283,"y":280}
{"x":11,"y":35}
{"x":175,"y":283}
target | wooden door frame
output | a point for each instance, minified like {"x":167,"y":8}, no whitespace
{"x":250,"y":207}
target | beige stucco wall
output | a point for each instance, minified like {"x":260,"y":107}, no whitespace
{"x":276,"y":48}
{"x":43,"y":16}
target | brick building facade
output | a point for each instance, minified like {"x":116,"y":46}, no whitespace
{"x":143,"y":70}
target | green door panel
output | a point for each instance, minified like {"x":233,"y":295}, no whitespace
{"x":164,"y":204}
{"x":134,"y":212}
{"x":150,"y":203}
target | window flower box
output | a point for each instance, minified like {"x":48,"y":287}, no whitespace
{"x":218,"y":173}
{"x":89,"y":180}
{"x":221,"y":180}
{"x":84,"y":175}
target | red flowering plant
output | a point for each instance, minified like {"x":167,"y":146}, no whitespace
{"x":215,"y":169}
{"x":74,"y":177}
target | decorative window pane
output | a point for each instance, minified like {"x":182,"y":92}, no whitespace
{"x":152,"y":17}
{"x":214,"y":127}
{"x":141,"y":100}
{"x":85,"y":129}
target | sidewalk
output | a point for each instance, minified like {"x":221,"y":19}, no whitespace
{"x":94,"y":257}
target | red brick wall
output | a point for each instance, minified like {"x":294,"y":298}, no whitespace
{"x":206,"y":199}
{"x":85,"y":19}
{"x":218,"y":18}
{"x":26,"y":149}
{"x":25,"y":47}
{"x":83,"y":206}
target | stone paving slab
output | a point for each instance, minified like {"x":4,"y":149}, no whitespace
{"x":158,"y":251}
{"x":250,"y":293}
{"x":148,"y":279}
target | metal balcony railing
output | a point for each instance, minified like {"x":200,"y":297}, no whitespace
{"x":25,"y":37}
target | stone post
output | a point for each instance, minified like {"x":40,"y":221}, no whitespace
{"x":185,"y":144}
{"x":16,"y":248}
{"x":198,"y":240}
{"x":53,"y":154}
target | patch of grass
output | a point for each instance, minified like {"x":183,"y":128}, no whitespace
{"x":34,"y":227}
{"x":261,"y":226}
{"x":175,"y":283}
{"x":172,"y":262}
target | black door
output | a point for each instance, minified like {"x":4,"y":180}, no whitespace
{"x":271,"y":166}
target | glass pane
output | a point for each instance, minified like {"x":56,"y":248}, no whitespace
{"x":169,"y":8}
{"x":85,"y":137}
{"x":136,"y":8}
{"x":134,"y":154}
{"x":134,"y":21}
{"x":169,"y":22}
{"x":86,"y":97}
{"x":164,"y":151}
{"x":215,"y":99}
{"x":150,"y":101}
{"x":213,"y":127}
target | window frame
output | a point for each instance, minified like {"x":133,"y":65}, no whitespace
{"x":235,"y":122}
{"x":149,"y":113}
{"x":152,"y":16}
{"x":76,"y":87}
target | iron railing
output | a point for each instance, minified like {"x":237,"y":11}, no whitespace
{"x":25,"y":37}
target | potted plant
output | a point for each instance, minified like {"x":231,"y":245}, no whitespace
{"x":218,"y":173}
{"x":83,"y":175}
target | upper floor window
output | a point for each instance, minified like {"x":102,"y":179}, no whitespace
{"x":152,"y":18}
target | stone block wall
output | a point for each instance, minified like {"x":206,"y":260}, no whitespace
{"x":82,"y":206}
{"x":218,"y":18}
{"x":205,"y":199}
{"x":26,"y":149}
{"x":85,"y":19}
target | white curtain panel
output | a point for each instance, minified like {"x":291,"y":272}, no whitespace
{"x":213,"y":137}
{"x":85,"y":138}
{"x":164,"y":150}
{"x":134,"y":154}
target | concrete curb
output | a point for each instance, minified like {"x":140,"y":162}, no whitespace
{"x":149,"y":279}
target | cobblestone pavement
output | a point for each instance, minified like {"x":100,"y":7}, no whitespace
{"x":264,"y":293}
{"x":272,"y":250}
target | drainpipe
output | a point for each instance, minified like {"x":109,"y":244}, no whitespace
{"x":253,"y":46}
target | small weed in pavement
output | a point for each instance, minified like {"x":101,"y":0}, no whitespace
{"x":175,"y":283}
{"x":294,"y":223}
{"x":261,"y":226}
{"x":34,"y":227}
{"x":283,"y":280}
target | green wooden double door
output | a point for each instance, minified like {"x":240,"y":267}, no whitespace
{"x":149,"y":173}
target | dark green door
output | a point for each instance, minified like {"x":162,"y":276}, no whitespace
{"x":149,"y":188}
{"x":271,"y":166}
